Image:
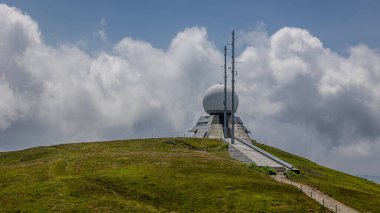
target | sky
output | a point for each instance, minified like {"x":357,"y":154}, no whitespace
{"x":308,"y":73}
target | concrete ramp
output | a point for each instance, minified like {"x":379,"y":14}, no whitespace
{"x":247,"y":152}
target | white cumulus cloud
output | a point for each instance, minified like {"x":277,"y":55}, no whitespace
{"x":307,"y":99}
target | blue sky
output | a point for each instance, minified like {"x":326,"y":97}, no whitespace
{"x":338,"y":24}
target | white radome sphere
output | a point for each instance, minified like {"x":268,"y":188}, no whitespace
{"x":213,"y":99}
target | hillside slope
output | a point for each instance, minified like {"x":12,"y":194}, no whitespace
{"x":147,"y":175}
{"x":359,"y":193}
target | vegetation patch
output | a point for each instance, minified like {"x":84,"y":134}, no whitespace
{"x":146,"y":175}
{"x":178,"y":143}
{"x":359,"y":193}
{"x":263,"y":169}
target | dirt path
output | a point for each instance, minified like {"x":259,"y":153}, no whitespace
{"x":317,"y":195}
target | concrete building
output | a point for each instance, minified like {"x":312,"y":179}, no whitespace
{"x":210,"y":125}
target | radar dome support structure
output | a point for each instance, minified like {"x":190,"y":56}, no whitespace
{"x":233,"y":88}
{"x":225,"y":93}
{"x":220,"y":103}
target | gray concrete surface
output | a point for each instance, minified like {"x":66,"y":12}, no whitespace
{"x":248,"y":153}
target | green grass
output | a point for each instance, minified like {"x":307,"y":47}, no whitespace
{"x":264,"y":169}
{"x":356,"y":192}
{"x":149,"y":175}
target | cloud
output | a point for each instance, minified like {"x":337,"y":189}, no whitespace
{"x":308,"y":99}
{"x":101,"y":33}
{"x":294,"y":93}
{"x":18,"y":32}
{"x":62,"y":94}
{"x":12,"y":106}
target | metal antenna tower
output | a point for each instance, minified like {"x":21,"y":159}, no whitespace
{"x":225,"y":93}
{"x":233,"y":89}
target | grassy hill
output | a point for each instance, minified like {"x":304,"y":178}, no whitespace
{"x":147,"y":175}
{"x":359,"y":193}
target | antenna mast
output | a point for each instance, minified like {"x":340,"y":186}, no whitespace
{"x":233,"y":89}
{"x":225,"y":93}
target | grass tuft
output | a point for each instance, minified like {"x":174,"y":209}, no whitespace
{"x":263,"y":169}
